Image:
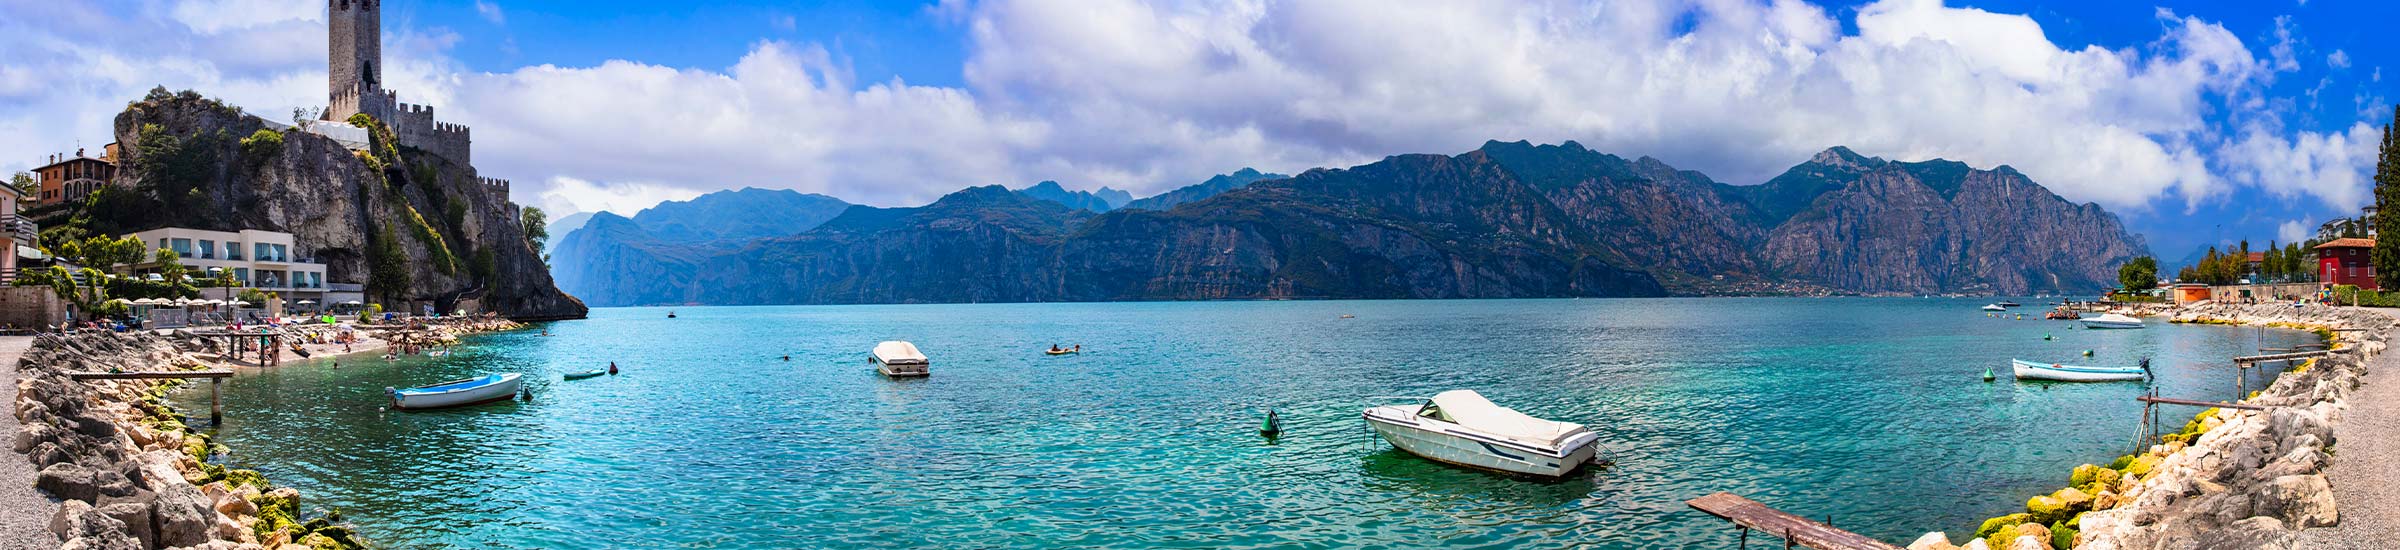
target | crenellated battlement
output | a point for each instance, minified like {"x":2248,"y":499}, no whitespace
{"x":357,"y":87}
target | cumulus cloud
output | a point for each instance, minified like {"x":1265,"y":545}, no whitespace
{"x":1151,"y":95}
{"x":2294,"y":231}
{"x":2338,"y":59}
{"x":565,"y":194}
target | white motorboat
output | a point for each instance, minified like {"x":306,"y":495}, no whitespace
{"x":2028,"y":370}
{"x":1462,"y":428}
{"x":2111,"y":320}
{"x":458,"y":393}
{"x":899,"y":359}
{"x":1994,"y":307}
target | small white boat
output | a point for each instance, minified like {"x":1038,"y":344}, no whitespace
{"x":458,"y":393}
{"x":2111,"y":320}
{"x":1994,"y":307}
{"x":1462,"y":428}
{"x":2028,"y":370}
{"x":899,"y":359}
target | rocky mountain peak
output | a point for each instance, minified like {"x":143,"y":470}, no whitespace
{"x":1844,"y":157}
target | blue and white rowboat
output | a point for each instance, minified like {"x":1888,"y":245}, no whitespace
{"x":2028,"y":370}
{"x":458,"y":393}
{"x":1460,"y":427}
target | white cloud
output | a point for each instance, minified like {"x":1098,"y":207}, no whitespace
{"x":565,"y":195}
{"x":2294,"y":231}
{"x":2338,"y":59}
{"x":1148,"y":96}
{"x":490,"y":12}
{"x":2285,"y":53}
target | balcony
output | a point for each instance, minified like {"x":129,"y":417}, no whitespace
{"x":24,"y":230}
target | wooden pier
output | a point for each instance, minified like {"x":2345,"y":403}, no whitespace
{"x":216,"y":407}
{"x":1750,"y":514}
{"x":2272,"y":357}
{"x":2173,"y":401}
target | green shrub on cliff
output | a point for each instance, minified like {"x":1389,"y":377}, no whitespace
{"x":262,"y":145}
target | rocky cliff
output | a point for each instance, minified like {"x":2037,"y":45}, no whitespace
{"x":1506,"y":220}
{"x":1942,"y":227}
{"x":452,"y":241}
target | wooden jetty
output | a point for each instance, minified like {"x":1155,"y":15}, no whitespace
{"x":1750,"y":514}
{"x":268,"y":345}
{"x":2173,"y":401}
{"x":2272,"y":357}
{"x":216,"y":407}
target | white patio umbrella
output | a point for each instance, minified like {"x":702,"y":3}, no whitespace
{"x":353,"y":303}
{"x":306,"y":302}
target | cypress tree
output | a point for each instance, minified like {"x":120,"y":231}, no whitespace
{"x":2386,"y":257}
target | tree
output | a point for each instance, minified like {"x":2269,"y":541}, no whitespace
{"x":24,"y":184}
{"x":2386,"y":256}
{"x":2138,"y":275}
{"x":537,"y":230}
{"x":537,"y":226}
{"x":387,"y":267}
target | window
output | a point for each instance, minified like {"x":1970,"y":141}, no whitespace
{"x":241,"y":273}
{"x":261,"y":250}
{"x":208,"y":249}
{"x":183,"y":247}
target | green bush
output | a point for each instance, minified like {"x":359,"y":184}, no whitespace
{"x":262,"y":145}
{"x":2347,"y":294}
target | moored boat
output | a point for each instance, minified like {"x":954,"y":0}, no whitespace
{"x":586,"y":374}
{"x":458,"y":393}
{"x":899,"y":359}
{"x":1994,"y":307}
{"x":2028,"y":370}
{"x":2111,"y":320}
{"x":1462,"y":428}
{"x":2008,"y":304}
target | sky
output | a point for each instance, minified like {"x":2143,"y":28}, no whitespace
{"x":2197,"y":122}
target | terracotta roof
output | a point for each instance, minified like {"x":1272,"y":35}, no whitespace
{"x":2348,"y":242}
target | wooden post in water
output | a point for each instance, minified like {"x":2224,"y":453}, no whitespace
{"x":216,"y":406}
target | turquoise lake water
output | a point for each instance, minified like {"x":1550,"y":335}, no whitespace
{"x":1867,"y":410}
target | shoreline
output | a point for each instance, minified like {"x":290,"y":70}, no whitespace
{"x":126,"y":470}
{"x":2229,"y":478}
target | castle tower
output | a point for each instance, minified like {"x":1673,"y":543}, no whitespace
{"x":355,"y":60}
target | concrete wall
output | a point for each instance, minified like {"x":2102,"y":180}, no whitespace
{"x":2233,"y":293}
{"x":31,"y":307}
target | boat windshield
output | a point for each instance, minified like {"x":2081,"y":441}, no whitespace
{"x":1433,"y":411}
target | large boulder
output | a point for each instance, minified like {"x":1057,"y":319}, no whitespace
{"x":136,"y":518}
{"x":68,"y":480}
{"x":2299,"y":501}
{"x":1936,"y":540}
{"x":185,"y":517}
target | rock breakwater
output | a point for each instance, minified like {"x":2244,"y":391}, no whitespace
{"x":130,"y":474}
{"x":2230,"y":478}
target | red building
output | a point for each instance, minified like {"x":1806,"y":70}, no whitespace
{"x":2344,"y":262}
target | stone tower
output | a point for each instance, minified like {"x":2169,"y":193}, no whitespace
{"x":355,"y":59}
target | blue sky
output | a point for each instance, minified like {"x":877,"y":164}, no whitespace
{"x":2196,"y":122}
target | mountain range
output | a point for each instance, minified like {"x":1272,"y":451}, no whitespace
{"x":1510,"y":219}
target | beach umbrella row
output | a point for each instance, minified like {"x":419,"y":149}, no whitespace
{"x":188,"y":302}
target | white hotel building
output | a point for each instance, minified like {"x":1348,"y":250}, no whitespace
{"x":259,"y":259}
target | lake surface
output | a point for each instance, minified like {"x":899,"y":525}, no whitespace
{"x":1869,"y":410}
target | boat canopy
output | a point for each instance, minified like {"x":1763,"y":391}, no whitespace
{"x":898,"y":352}
{"x":1470,"y":409}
